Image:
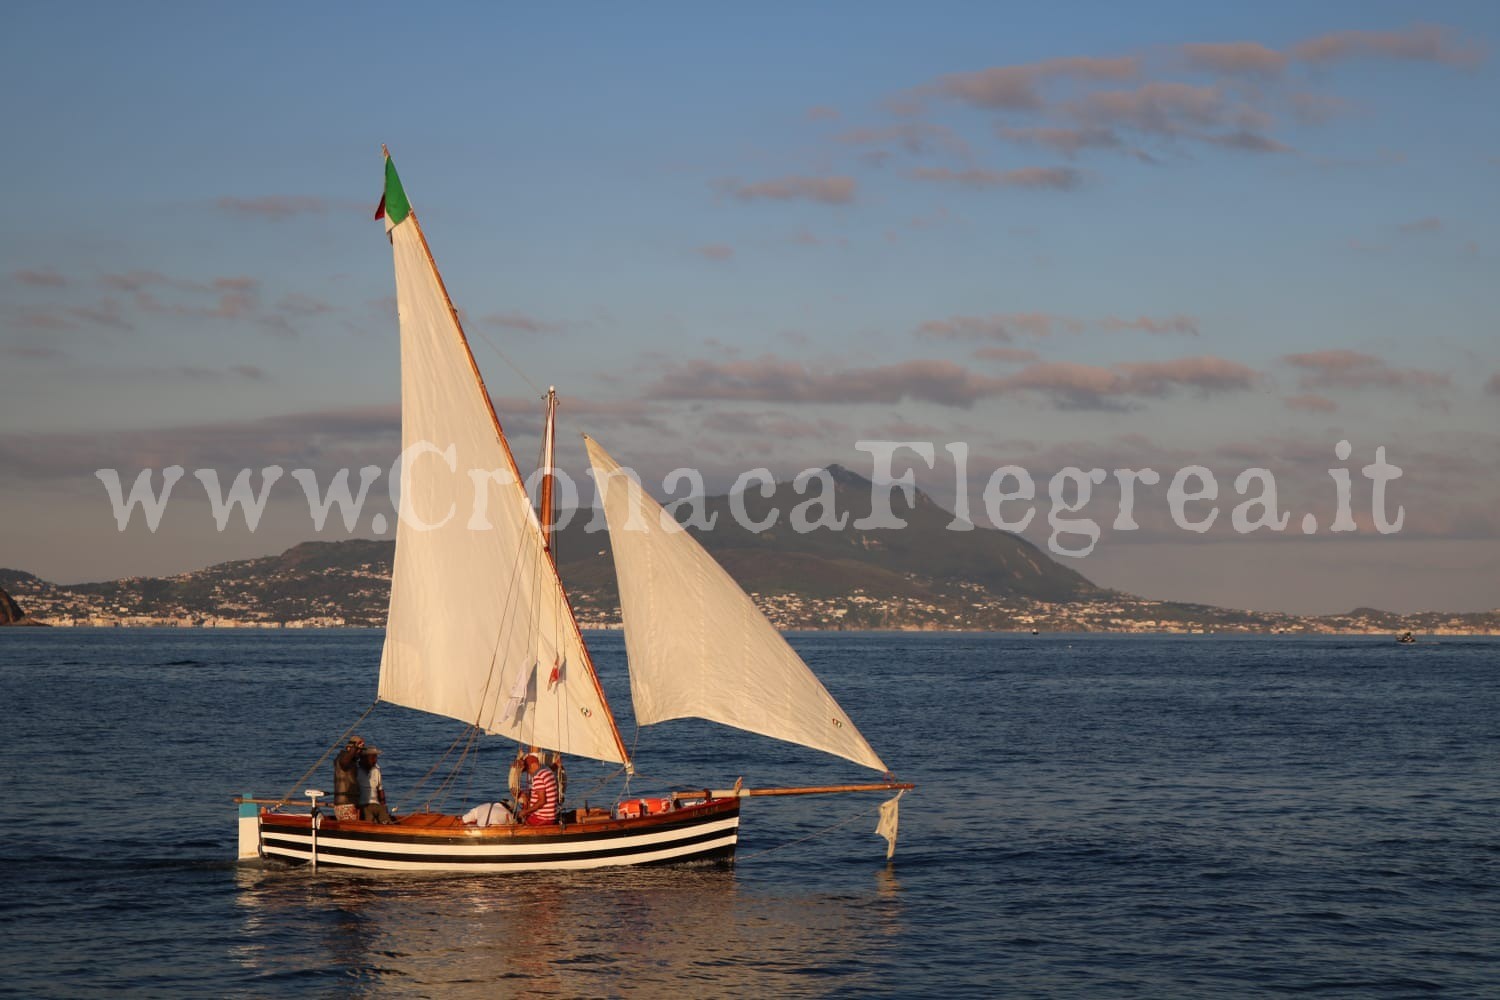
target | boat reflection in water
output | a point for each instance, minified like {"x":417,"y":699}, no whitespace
{"x":566,"y":935}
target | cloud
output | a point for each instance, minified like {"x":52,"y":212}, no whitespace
{"x":338,"y":437}
{"x":1006,"y":326}
{"x":1073,"y":386}
{"x":1163,"y":108}
{"x":275,"y":208}
{"x":1205,"y":373}
{"x":1065,"y":141}
{"x":916,"y":138}
{"x":1005,"y":354}
{"x":838,"y":190}
{"x":1315,"y":109}
{"x":1247,"y":141}
{"x":1310,"y":403}
{"x":106,"y":313}
{"x":520,"y":321}
{"x":135,"y":281}
{"x":1421,"y":42}
{"x":44,"y":278}
{"x":236,"y":296}
{"x":1000,"y":326}
{"x":822,"y":113}
{"x":252,"y":372}
{"x":1493,"y":385}
{"x":1178,"y":323}
{"x":1053,"y":178}
{"x":1015,"y":88}
{"x":298,"y":304}
{"x":35,"y":352}
{"x":777,"y":426}
{"x":1430,"y":224}
{"x":1076,"y":386}
{"x":772,"y":380}
{"x":1235,"y":58}
{"x":1346,"y":369}
{"x":715,"y":251}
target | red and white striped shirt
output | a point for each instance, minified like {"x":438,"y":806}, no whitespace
{"x":543,"y":790}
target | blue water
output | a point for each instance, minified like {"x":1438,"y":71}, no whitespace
{"x":1097,"y":816}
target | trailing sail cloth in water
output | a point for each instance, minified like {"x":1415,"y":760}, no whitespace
{"x":475,"y":603}
{"x":698,"y":646}
{"x":890,"y":821}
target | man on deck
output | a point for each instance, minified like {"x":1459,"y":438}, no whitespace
{"x":541,"y":804}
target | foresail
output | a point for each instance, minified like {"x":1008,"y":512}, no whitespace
{"x":479,"y":628}
{"x":698,"y":646}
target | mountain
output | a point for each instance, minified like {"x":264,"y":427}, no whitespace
{"x":921,"y":576}
{"x":922,"y":558}
{"x":850,"y":577}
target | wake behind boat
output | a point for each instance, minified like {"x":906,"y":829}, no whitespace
{"x":480,"y":630}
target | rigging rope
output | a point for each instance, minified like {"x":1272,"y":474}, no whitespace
{"x":810,"y":836}
{"x":336,"y":743}
{"x":466,"y":737}
{"x":509,"y":363}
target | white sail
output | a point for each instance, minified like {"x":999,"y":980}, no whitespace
{"x":479,"y":628}
{"x":698,"y":647}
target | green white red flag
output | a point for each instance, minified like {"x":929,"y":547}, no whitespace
{"x":393,"y":207}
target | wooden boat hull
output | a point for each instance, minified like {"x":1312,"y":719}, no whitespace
{"x":430,"y":842}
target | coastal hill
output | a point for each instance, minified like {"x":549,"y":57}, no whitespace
{"x":922,"y":576}
{"x":828,"y":562}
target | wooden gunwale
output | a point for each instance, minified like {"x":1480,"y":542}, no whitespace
{"x":419,"y":826}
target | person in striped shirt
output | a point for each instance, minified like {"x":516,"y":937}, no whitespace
{"x":541,"y":802}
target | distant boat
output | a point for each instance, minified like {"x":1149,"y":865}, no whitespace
{"x":1035,"y":632}
{"x":1406,"y":637}
{"x":480,"y":630}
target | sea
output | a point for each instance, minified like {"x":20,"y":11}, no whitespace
{"x":1095,"y":816}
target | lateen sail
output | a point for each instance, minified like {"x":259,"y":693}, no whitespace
{"x":476,"y":614}
{"x":698,"y":646}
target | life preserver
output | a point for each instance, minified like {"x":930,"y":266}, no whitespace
{"x":517,"y":768}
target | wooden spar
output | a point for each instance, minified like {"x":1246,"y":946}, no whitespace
{"x":546,"y":503}
{"x":730,"y":793}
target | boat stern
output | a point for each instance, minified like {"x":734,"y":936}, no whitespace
{"x":249,"y":829}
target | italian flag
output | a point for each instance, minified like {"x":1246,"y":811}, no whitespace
{"x":393,"y":208}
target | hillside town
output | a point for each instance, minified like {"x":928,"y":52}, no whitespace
{"x":270,"y":594}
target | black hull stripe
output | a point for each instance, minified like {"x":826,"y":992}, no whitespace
{"x":270,"y":827}
{"x":331,"y":854}
{"x":713,"y":855}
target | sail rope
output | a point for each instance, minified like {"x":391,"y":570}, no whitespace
{"x":862,"y":814}
{"x":509,"y":363}
{"x":508,"y":609}
{"x":440,"y":794}
{"x":291,"y":793}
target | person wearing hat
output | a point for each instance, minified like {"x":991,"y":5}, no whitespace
{"x":346,"y":780}
{"x":541,"y":803}
{"x":371,"y":788}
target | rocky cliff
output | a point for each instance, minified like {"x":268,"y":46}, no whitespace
{"x":11,"y":613}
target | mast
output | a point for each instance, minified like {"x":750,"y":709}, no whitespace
{"x":547,"y":502}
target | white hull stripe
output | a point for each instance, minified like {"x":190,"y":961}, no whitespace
{"x":678,"y":854}
{"x":712,"y":846}
{"x":489,"y":847}
{"x":712,"y":835}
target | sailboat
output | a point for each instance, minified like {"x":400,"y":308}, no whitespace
{"x":480,"y":630}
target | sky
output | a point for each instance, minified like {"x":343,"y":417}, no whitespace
{"x":1164,"y":236}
